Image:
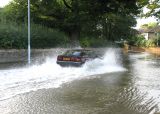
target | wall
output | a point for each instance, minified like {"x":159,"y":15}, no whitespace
{"x":21,"y":55}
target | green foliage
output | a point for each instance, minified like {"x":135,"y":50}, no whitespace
{"x":72,"y":16}
{"x":154,"y":8}
{"x":117,"y":27}
{"x":149,"y":25}
{"x":11,"y":36}
{"x":15,"y":36}
{"x":93,"y":42}
{"x":140,"y":41}
{"x":99,"y":21}
{"x":85,"y":42}
{"x":144,"y":26}
{"x":152,"y":24}
{"x":43,"y":37}
{"x":158,"y":40}
{"x":151,"y":43}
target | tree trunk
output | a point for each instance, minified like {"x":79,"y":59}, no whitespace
{"x":74,"y":38}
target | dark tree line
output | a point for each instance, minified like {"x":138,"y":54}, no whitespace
{"x":109,"y":19}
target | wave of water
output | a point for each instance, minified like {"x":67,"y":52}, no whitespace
{"x":50,"y":75}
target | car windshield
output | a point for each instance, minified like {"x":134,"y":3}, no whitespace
{"x":85,"y":53}
{"x":76,"y":53}
{"x":73,"y":53}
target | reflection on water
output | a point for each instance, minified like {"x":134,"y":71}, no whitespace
{"x":82,"y":97}
{"x":99,"y":87}
{"x":146,"y":72}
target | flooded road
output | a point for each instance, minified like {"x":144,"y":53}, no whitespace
{"x":117,"y":84}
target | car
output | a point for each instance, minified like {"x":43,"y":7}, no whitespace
{"x":76,"y":57}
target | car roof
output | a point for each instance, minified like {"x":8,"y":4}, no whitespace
{"x":79,"y":50}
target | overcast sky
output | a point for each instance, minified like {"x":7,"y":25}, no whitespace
{"x":4,"y":2}
{"x":142,"y":21}
{"x":139,"y":21}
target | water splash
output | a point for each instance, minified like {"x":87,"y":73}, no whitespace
{"x":50,"y":75}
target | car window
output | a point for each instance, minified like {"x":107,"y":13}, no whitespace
{"x":76,"y":53}
{"x":72,"y":53}
{"x":84,"y":53}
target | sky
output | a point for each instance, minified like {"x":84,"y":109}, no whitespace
{"x":4,"y":2}
{"x":139,"y":20}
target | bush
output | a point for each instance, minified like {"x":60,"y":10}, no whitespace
{"x":13,"y":35}
{"x":93,"y":42}
{"x":140,"y":41}
{"x":151,"y":43}
{"x":158,"y":40}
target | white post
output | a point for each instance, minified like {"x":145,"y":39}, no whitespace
{"x":29,"y":34}
{"x":157,"y":38}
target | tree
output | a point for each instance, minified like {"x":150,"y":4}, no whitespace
{"x":154,"y":8}
{"x":149,"y":25}
{"x":117,"y":26}
{"x":74,"y":17}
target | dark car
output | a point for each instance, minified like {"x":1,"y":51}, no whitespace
{"x":76,"y":57}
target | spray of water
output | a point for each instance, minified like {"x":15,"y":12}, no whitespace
{"x":50,"y":75}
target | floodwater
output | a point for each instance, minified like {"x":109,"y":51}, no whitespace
{"x":117,"y":84}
